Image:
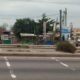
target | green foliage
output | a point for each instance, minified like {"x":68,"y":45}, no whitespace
{"x":66,"y":47}
{"x":22,"y":46}
{"x":40,"y":24}
{"x":28,"y":25}
{"x":23,"y":26}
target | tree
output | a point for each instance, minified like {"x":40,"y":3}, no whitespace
{"x":26,"y":25}
{"x":48,"y":26}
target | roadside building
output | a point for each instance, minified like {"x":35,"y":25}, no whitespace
{"x":13,"y":38}
{"x":76,"y":33}
{"x":6,"y":37}
{"x":1,"y":32}
{"x":49,"y":38}
{"x":65,"y":33}
{"x":28,"y":38}
{"x":36,"y":39}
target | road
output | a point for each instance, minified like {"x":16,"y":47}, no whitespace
{"x":39,"y":68}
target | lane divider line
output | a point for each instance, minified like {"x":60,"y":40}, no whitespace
{"x":65,"y":65}
{"x":55,"y":59}
{"x":13,"y":76}
{"x":8,"y":64}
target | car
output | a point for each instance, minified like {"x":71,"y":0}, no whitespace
{"x":78,"y":41}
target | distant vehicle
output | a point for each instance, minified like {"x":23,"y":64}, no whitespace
{"x":78,"y":41}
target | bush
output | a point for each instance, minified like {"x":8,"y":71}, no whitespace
{"x":22,"y":46}
{"x":66,"y":47}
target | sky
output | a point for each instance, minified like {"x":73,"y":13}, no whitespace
{"x":10,"y":10}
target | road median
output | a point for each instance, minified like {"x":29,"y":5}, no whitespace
{"x":35,"y":51}
{"x":57,"y":54}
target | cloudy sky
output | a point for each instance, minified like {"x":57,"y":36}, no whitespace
{"x":10,"y":10}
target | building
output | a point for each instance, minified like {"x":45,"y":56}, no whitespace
{"x":1,"y":32}
{"x":6,"y":37}
{"x":66,"y":31}
{"x":28,"y":38}
{"x":75,"y":32}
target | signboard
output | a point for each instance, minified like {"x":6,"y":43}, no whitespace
{"x":4,"y":37}
{"x":65,"y":30}
{"x":7,"y":41}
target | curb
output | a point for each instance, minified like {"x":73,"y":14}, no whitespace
{"x":38,"y":55}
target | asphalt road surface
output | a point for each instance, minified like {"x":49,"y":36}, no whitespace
{"x":39,"y":68}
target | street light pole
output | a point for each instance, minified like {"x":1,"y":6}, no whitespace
{"x":44,"y":31}
{"x":60,"y":25}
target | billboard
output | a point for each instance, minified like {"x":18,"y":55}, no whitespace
{"x":65,"y":30}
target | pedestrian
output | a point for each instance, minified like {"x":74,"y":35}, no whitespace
{"x":63,"y":38}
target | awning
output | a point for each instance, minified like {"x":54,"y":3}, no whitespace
{"x":27,"y":35}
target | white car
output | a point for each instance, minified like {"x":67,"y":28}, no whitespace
{"x":78,"y":41}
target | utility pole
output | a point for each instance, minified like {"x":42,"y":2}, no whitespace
{"x":54,"y":29}
{"x":71,"y":30}
{"x":54,"y":26}
{"x":63,"y":20}
{"x":60,"y":25}
{"x":65,"y":17}
{"x":44,"y":31}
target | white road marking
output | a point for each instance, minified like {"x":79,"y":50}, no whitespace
{"x":65,"y":65}
{"x":8,"y":64}
{"x":13,"y":76}
{"x":55,"y":58}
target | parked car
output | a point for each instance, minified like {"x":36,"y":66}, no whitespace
{"x":78,"y":41}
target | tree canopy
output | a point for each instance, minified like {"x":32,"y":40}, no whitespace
{"x":28,"y":25}
{"x":23,"y":26}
